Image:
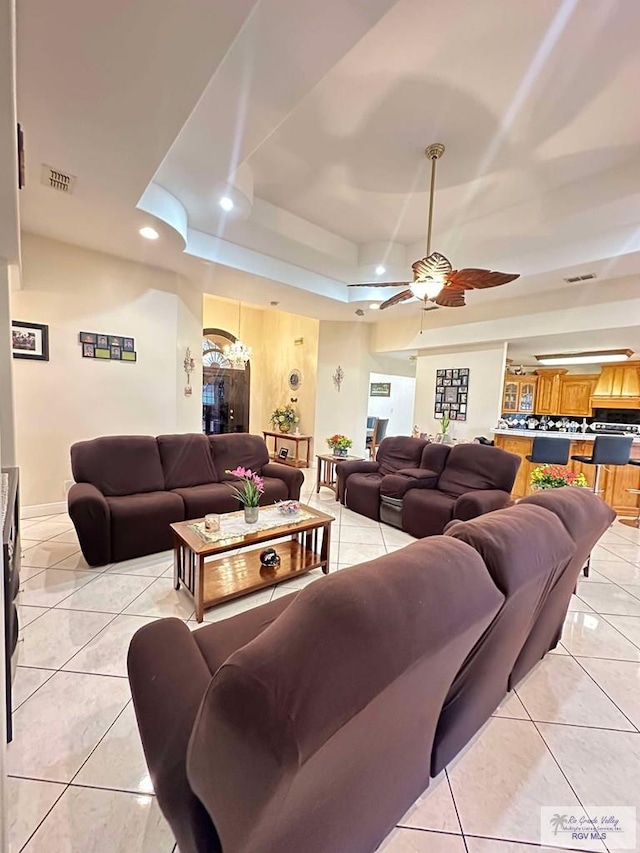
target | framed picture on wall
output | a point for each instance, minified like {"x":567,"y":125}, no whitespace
{"x":30,"y":340}
{"x":451,"y":391}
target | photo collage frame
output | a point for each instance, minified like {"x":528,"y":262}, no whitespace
{"x":452,"y":391}
{"x":108,"y":347}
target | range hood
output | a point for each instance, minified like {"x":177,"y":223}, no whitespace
{"x":618,"y":387}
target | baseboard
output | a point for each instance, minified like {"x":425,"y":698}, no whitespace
{"x":37,"y":510}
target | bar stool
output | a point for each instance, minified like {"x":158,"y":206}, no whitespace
{"x":633,"y":522}
{"x":550,"y":451}
{"x":607,"y":450}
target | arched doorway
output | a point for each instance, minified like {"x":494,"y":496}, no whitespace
{"x":225,"y":388}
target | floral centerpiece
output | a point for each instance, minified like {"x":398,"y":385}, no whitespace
{"x":284,"y":417}
{"x":555,"y":477}
{"x":340,"y":444}
{"x":249,"y":492}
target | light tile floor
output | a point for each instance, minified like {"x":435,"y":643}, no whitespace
{"x":78,"y":782}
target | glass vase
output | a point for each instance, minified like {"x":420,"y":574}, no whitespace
{"x":251,"y":514}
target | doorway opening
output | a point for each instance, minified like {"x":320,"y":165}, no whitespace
{"x":225,"y":387}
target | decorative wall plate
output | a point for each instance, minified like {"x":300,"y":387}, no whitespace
{"x":295,"y":380}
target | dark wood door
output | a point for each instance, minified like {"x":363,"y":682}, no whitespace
{"x":225,"y":400}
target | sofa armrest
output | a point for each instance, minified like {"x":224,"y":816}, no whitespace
{"x":292,"y":477}
{"x":354,"y":466}
{"x":89,"y":511}
{"x":472,"y":504}
{"x":169,"y":677}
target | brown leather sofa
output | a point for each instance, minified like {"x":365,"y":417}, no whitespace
{"x":256,"y":743}
{"x":421,"y":487}
{"x":130,"y":488}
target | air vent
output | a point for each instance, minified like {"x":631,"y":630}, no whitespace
{"x":57,"y":180}
{"x":587,"y":277}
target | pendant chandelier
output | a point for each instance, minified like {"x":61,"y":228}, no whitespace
{"x":237,"y":353}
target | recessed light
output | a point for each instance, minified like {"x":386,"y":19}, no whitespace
{"x":149,"y":233}
{"x":597,"y":357}
{"x":226,"y":203}
{"x":380,"y":270}
{"x":375,"y":306}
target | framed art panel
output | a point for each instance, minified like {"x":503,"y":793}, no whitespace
{"x":30,"y":340}
{"x":452,"y":386}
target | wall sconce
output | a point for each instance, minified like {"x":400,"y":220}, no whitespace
{"x":189,"y":366}
{"x":337,"y":377}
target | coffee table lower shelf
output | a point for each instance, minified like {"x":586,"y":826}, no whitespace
{"x":233,"y":575}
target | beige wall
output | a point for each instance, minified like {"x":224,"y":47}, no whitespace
{"x":70,"y":398}
{"x":347,"y":345}
{"x":272,"y":336}
{"x":486,"y":376}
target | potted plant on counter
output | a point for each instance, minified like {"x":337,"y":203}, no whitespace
{"x":340,"y":444}
{"x":555,"y":477}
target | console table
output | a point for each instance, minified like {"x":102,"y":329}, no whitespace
{"x":297,"y":461}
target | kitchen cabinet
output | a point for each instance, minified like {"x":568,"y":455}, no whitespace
{"x":519,"y":396}
{"x":575,"y":394}
{"x":548,"y":391}
{"x":615,"y":480}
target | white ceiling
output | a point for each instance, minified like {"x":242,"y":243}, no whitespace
{"x":314,"y":117}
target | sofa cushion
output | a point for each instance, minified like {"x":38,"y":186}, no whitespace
{"x":434,"y":456}
{"x":426,"y":512}
{"x":221,"y":639}
{"x":186,"y":460}
{"x":119,"y":464}
{"x":475,"y":466}
{"x":363,"y":494}
{"x":220,"y":497}
{"x":399,"y":452}
{"x":230,"y":451}
{"x":140,"y":523}
{"x":211,"y":497}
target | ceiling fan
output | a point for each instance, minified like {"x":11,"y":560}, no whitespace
{"x":434,"y":278}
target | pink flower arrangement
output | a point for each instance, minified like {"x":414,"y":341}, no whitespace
{"x":252,"y":488}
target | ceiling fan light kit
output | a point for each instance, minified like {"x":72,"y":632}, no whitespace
{"x":434,"y":279}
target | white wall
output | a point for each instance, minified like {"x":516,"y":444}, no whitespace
{"x":70,"y":398}
{"x":347,"y":345}
{"x":486,"y":375}
{"x":398,"y":408}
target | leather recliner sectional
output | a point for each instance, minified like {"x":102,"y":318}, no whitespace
{"x":272,"y":729}
{"x":130,"y":488}
{"x":420,"y":487}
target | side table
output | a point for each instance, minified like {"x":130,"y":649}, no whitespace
{"x":297,"y":462}
{"x":326,"y":475}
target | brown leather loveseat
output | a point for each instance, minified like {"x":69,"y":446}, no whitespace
{"x":314,"y":722}
{"x":130,"y":488}
{"x":421,"y":487}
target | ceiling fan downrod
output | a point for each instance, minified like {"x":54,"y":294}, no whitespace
{"x":434,"y":153}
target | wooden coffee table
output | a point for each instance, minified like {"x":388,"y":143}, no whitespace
{"x":228,"y":575}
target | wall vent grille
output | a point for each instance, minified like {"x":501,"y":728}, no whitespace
{"x":57,"y":180}
{"x":586,"y":277}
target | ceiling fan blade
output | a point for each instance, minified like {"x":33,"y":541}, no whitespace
{"x":477,"y":279}
{"x":399,"y":297}
{"x":381,"y":284}
{"x":450,"y":298}
{"x":433,"y":266}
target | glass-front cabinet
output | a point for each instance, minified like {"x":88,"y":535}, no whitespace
{"x":519,"y":395}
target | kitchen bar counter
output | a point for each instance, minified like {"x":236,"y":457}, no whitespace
{"x":615,"y":480}
{"x":574,"y":436}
